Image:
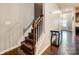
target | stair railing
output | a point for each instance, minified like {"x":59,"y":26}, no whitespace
{"x":37,"y":29}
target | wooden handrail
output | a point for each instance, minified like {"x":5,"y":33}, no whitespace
{"x":39,"y":18}
{"x":36,"y":22}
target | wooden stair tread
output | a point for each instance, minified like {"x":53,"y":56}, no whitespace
{"x":30,"y":35}
{"x":29,"y":39}
{"x":29,"y":46}
{"x":25,"y":50}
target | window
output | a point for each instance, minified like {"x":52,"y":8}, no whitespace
{"x":64,"y":23}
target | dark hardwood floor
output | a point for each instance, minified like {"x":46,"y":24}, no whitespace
{"x":51,"y":50}
{"x":69,"y":46}
{"x":16,"y":51}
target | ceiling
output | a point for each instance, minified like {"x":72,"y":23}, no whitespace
{"x":68,"y":5}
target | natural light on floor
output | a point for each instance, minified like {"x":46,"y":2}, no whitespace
{"x":67,"y":46}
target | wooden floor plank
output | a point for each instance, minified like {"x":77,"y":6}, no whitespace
{"x":16,"y":51}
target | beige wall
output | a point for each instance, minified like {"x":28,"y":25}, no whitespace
{"x":13,"y":19}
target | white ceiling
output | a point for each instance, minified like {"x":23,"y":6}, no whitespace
{"x":68,"y":5}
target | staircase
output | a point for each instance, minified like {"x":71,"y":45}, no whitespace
{"x":28,"y":45}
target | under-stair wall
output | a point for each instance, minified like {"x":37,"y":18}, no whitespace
{"x":14,"y":18}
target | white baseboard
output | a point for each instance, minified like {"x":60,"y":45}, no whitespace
{"x":44,"y":49}
{"x":9,"y":49}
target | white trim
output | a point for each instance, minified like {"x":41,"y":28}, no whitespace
{"x":9,"y":49}
{"x":44,"y":49}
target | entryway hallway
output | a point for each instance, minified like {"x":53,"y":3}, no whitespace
{"x":68,"y":46}
{"x":27,"y":29}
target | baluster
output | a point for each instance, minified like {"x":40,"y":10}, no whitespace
{"x":37,"y":30}
{"x":36,"y":33}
